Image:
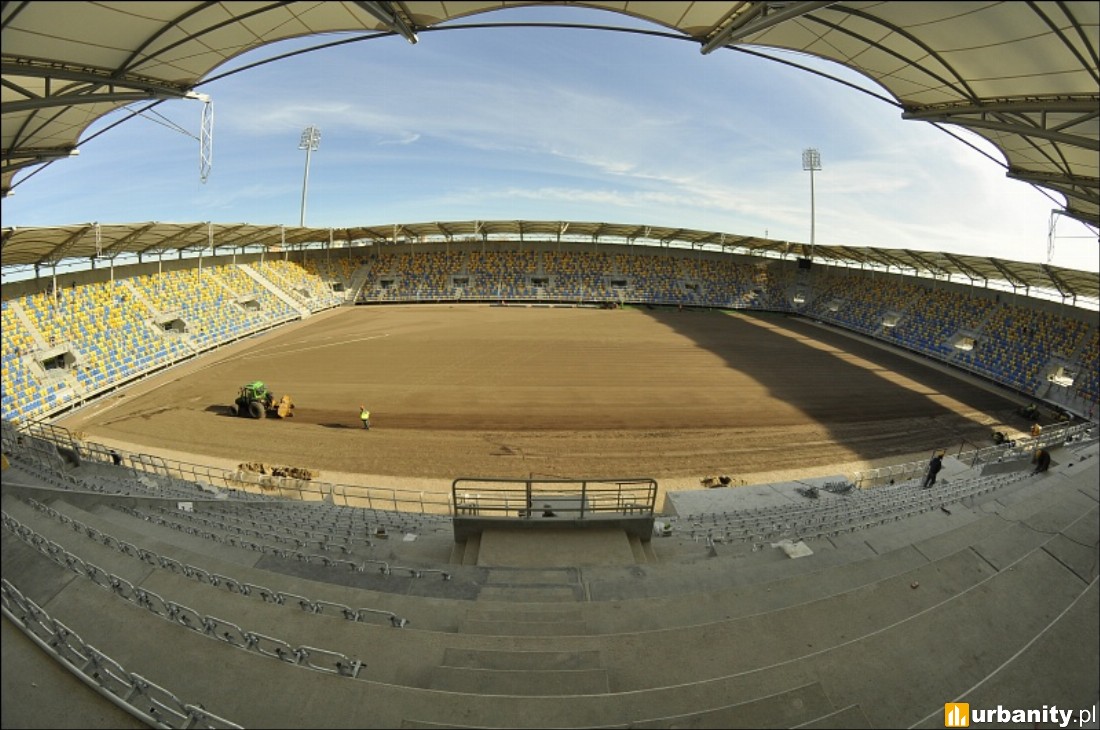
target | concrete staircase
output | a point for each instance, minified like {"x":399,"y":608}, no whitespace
{"x":993,"y":603}
{"x":301,"y":308}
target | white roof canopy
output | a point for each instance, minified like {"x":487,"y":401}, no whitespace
{"x":1022,"y":75}
{"x":52,"y":245}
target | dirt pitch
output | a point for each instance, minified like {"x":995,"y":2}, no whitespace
{"x":481,"y":391}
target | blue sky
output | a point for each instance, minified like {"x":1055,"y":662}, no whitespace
{"x":555,"y":124}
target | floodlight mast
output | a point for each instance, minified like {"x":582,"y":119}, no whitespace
{"x":811,"y":160}
{"x":311,"y":137}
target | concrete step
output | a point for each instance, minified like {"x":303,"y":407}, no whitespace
{"x":334,"y":583}
{"x":537,"y":548}
{"x":457,"y":552}
{"x":781,"y":710}
{"x":469,"y":553}
{"x":224,"y":601}
{"x":566,"y":621}
{"x":636,"y":548}
{"x":527,"y":682}
{"x":521,"y":660}
{"x":551,"y":585}
{"x":43,"y":694}
{"x":984,"y":617}
{"x":525,"y":628}
{"x":1032,"y":679}
{"x":958,"y":643}
{"x":532,"y":594}
{"x":957,"y":638}
{"x":846,"y":718}
{"x":565,"y":614}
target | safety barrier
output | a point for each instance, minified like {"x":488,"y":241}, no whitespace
{"x":1022,"y":448}
{"x":322,"y":660}
{"x":127,"y":690}
{"x":567,"y":498}
{"x":46,"y":447}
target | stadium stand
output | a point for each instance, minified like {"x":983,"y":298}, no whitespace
{"x":309,"y":291}
{"x":65,"y":346}
{"x":175,"y":595}
{"x":80,"y":341}
{"x":755,"y":610}
{"x":161,"y":583}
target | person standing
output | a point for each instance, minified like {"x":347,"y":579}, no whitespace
{"x":934,"y":467}
{"x":1041,"y":461}
{"x":364,"y":416}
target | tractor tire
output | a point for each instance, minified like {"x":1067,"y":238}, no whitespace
{"x":234,"y":410}
{"x":256,"y":409}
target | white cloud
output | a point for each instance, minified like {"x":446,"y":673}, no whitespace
{"x":561,"y":125}
{"x":406,"y":138}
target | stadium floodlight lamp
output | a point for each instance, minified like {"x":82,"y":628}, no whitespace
{"x":311,"y":138}
{"x":811,"y":160}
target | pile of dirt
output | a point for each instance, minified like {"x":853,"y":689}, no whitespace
{"x":293,"y":472}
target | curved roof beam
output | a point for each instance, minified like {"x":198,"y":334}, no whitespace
{"x":58,"y":253}
{"x":1010,"y":276}
{"x":928,"y":263}
{"x":1059,"y":283}
{"x":95,"y":78}
{"x":182,"y":234}
{"x":1083,"y":39}
{"x":1085,"y":190}
{"x":1009,"y":127}
{"x":27,"y":156}
{"x":760,"y":17}
{"x":968,"y":270}
{"x":387,"y":13}
{"x":227,"y":232}
{"x":958,"y":84}
{"x":125,"y":243}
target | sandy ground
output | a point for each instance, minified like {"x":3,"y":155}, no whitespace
{"x":478,"y":391}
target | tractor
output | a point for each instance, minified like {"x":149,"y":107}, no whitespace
{"x":256,"y":401}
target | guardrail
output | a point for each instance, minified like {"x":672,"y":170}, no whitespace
{"x":49,"y":446}
{"x":142,"y":698}
{"x":548,"y":498}
{"x":1021,"y":448}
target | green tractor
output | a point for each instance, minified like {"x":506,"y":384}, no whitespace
{"x":256,"y":401}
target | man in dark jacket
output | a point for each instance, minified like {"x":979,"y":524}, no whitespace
{"x":1042,"y":461}
{"x":934,"y":467}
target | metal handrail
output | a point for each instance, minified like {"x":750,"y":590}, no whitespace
{"x":1019,"y":449}
{"x":560,"y":497}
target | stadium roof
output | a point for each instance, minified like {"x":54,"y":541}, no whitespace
{"x":52,"y":245}
{"x":1022,"y":75}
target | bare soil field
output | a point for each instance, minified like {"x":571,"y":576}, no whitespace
{"x":479,"y":391}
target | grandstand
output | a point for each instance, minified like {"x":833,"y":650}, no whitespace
{"x":1039,"y":350}
{"x":148,"y":588}
{"x":163,"y":592}
{"x":344,"y":587}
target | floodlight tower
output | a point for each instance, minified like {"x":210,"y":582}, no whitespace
{"x":311,"y":137}
{"x":811,"y":160}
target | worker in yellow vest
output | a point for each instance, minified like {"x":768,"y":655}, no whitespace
{"x":364,"y":416}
